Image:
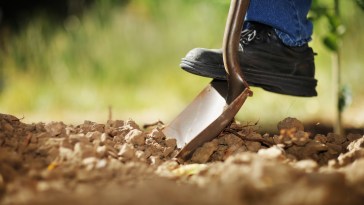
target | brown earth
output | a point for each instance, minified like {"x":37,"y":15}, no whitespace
{"x":120,"y":163}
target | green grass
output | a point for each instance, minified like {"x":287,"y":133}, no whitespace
{"x":127,"y":57}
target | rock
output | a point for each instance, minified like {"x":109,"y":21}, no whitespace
{"x":356,"y":145}
{"x":55,"y":128}
{"x":114,"y":123}
{"x":356,"y":152}
{"x":66,"y":144}
{"x":334,"y":149}
{"x":335,"y":138}
{"x":171,"y":142}
{"x":274,"y":152}
{"x":89,"y":161}
{"x":7,"y":127}
{"x":155,"y":149}
{"x":93,"y":135}
{"x":118,"y":123}
{"x":168,"y":151}
{"x":111,"y":151}
{"x":300,"y":138}
{"x":313,"y":148}
{"x":155,"y":160}
{"x":101,"y":151}
{"x":221,"y":152}
{"x":231,"y":139}
{"x":320,"y":138}
{"x":98,"y":127}
{"x":231,"y":150}
{"x":157,"y":135}
{"x":290,"y":123}
{"x":307,"y":165}
{"x":132,"y":124}
{"x":86,"y":126}
{"x":84,"y":150}
{"x":127,"y":151}
{"x":353,"y":137}
{"x":203,"y":154}
{"x":65,"y":153}
{"x":101,"y":164}
{"x":73,"y":138}
{"x":135,"y":137}
{"x":253,"y":146}
{"x":141,"y":155}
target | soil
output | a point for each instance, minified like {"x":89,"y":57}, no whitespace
{"x":121,"y":163}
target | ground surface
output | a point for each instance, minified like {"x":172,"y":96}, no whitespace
{"x":121,"y":163}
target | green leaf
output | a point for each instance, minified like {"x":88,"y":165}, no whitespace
{"x":360,"y":3}
{"x":345,"y":98}
{"x":334,"y":22}
{"x":331,"y":42}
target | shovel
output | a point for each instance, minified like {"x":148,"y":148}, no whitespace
{"x":218,"y":103}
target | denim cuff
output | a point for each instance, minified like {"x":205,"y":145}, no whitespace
{"x":289,"y":41}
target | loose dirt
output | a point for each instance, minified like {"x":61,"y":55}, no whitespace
{"x":120,"y":163}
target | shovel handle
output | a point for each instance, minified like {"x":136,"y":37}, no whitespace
{"x":236,"y":82}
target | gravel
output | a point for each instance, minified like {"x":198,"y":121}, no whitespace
{"x":120,"y":163}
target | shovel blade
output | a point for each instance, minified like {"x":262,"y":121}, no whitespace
{"x":205,"y":117}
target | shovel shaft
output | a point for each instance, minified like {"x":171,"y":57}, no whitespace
{"x":234,"y":25}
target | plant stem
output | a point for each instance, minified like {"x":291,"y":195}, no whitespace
{"x":336,"y":76}
{"x":338,"y":129}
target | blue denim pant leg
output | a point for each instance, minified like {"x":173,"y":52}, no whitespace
{"x":287,"y":17}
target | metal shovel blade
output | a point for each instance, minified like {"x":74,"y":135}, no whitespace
{"x":215,"y":107}
{"x":204,"y":118}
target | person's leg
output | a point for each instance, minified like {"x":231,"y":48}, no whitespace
{"x":287,"y":17}
{"x":274,"y":53}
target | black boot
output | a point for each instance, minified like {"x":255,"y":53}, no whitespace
{"x":265,"y":60}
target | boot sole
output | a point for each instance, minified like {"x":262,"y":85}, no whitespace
{"x":273,"y":82}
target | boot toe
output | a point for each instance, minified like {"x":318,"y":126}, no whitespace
{"x":205,"y":56}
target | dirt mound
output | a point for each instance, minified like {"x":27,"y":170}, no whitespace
{"x":120,"y":163}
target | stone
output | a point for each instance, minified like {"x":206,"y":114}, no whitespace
{"x":127,"y":151}
{"x":272,"y":152}
{"x":157,"y":135}
{"x":132,"y":124}
{"x":353,"y":137}
{"x":253,"y":146}
{"x":155,"y":160}
{"x":320,"y":138}
{"x":167,"y":151}
{"x":231,"y":139}
{"x":335,"y":138}
{"x":55,"y":128}
{"x":93,"y":135}
{"x":300,"y":138}
{"x":290,"y":123}
{"x":203,"y":154}
{"x":171,"y":142}
{"x":307,"y":165}
{"x":101,"y":151}
{"x":135,"y":137}
{"x":334,"y":149}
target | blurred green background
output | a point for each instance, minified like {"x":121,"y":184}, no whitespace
{"x":124,"y":55}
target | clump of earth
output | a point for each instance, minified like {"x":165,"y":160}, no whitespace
{"x":121,"y":163}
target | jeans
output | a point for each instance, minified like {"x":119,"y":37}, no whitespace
{"x":287,"y":17}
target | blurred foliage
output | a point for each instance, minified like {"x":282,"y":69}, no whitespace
{"x":336,"y":28}
{"x":332,"y":40}
{"x":360,"y":3}
{"x":345,"y":98}
{"x":125,"y":54}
